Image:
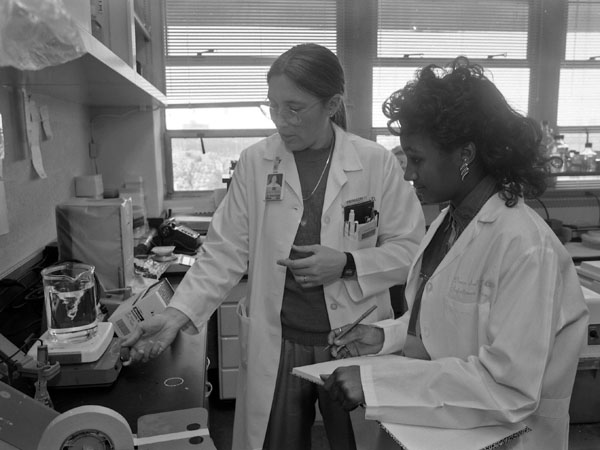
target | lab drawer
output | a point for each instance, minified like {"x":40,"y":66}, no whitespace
{"x":228,"y":383}
{"x":585,"y":398}
{"x":237,"y":292}
{"x":228,"y":320}
{"x":229,"y":353}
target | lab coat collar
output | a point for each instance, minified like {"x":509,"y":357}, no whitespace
{"x":344,"y":159}
{"x":488,"y":214}
{"x":343,"y":151}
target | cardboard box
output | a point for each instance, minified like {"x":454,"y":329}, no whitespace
{"x":141,"y":307}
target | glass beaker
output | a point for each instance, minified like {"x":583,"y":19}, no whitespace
{"x":70,"y":301}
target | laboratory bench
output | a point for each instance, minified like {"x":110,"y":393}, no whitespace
{"x":162,"y":389}
{"x":173,"y":381}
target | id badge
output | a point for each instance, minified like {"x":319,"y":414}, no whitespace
{"x":274,"y":189}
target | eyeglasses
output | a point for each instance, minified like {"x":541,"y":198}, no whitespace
{"x":290,"y":115}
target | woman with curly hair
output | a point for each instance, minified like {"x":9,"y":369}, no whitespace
{"x":496,"y":316}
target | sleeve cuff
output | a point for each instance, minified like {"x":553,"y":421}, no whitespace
{"x":394,"y":336}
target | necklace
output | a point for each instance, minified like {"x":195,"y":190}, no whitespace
{"x":324,"y":169}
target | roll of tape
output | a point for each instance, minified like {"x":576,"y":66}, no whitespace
{"x":90,"y":426}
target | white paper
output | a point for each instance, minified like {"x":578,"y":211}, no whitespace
{"x":412,"y":437}
{"x":45,"y":116}
{"x":32,"y":122}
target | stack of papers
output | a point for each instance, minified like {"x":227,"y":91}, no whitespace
{"x":589,"y":275}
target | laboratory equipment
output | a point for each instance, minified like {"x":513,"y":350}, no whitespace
{"x":30,"y":425}
{"x":98,"y":232}
{"x":85,"y":348}
{"x":70,"y":302}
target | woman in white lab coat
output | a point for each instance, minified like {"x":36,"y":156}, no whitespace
{"x":496,"y":316}
{"x":301,"y":284}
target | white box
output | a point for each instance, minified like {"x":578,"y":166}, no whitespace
{"x":591,"y":269}
{"x":89,"y":186}
{"x":141,"y":307}
{"x":100,"y":233}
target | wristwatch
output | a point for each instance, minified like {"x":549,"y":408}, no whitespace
{"x":350,"y":267}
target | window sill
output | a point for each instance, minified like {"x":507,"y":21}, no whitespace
{"x":197,"y":203}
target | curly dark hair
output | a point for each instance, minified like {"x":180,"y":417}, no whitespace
{"x":457,"y":105}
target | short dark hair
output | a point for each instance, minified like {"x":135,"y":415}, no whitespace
{"x":316,"y":70}
{"x":456,"y":105}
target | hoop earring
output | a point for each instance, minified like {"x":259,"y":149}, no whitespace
{"x":464,"y":170}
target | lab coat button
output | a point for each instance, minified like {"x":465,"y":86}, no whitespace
{"x":326,"y":219}
{"x":429,"y":286}
{"x":333,"y":306}
{"x":425,"y":331}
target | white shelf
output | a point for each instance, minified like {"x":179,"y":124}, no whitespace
{"x":98,"y":78}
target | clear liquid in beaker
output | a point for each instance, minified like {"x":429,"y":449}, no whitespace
{"x":70,"y":301}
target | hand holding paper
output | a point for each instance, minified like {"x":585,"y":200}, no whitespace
{"x":344,"y":385}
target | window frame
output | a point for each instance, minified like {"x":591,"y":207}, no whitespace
{"x":182,"y":134}
{"x":357,"y":50}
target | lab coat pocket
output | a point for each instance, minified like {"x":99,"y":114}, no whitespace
{"x":244,"y":326}
{"x":461,"y":312}
{"x":361,"y":235}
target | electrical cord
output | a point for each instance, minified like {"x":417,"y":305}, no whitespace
{"x":545,"y":209}
{"x":591,"y":194}
{"x":21,"y":348}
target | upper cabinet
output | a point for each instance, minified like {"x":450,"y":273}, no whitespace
{"x":121,"y":62}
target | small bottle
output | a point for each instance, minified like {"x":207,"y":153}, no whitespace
{"x":547,"y":143}
{"x":562,"y":150}
{"x":41,"y":385}
{"x":589,"y":157}
{"x":576,"y":161}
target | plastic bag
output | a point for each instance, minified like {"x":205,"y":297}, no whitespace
{"x":37,"y":33}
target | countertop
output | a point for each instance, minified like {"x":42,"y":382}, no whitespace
{"x":173,"y":381}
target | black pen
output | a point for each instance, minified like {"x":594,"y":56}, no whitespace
{"x":354,"y":324}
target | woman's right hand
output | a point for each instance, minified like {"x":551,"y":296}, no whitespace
{"x":152,"y":336}
{"x":362,"y":340}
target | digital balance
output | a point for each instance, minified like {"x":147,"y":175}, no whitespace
{"x":84,"y":347}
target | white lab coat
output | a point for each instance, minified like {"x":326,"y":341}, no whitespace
{"x":503,"y":318}
{"x":249,"y":234}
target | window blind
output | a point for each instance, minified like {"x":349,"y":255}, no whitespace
{"x":220,"y":51}
{"x":583,"y":30}
{"x":447,"y":28}
{"x":579,"y":92}
{"x":414,"y":33}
